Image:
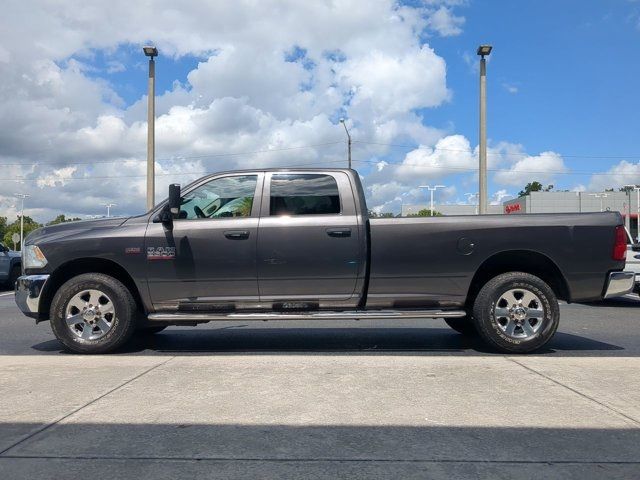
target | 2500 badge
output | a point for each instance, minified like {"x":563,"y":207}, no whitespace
{"x":161,"y":253}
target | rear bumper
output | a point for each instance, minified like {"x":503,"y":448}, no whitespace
{"x":619,"y":283}
{"x":28,"y":291}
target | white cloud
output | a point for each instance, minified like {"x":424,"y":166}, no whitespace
{"x":445,"y":22}
{"x":542,"y":167}
{"x":510,"y":88}
{"x":65,"y":124}
{"x":622,"y":173}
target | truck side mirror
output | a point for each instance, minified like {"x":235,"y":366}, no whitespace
{"x":174,"y":199}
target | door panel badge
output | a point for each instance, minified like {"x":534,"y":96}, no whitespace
{"x":161,"y":253}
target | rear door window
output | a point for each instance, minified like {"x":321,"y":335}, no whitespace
{"x":304,"y":194}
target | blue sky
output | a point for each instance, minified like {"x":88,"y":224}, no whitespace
{"x":560,"y":78}
{"x":236,"y":77}
{"x":572,"y":64}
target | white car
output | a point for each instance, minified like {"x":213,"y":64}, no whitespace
{"x":633,"y":260}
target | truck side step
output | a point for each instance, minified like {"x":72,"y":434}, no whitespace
{"x":315,"y":315}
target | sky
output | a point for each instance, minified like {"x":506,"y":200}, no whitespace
{"x":255,"y":84}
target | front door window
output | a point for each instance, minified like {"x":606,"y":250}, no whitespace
{"x":225,"y":197}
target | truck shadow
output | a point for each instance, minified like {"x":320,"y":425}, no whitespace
{"x":246,"y":339}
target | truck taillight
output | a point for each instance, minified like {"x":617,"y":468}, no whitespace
{"x":620,"y":245}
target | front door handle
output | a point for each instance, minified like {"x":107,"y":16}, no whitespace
{"x":339,"y":232}
{"x":236,"y":234}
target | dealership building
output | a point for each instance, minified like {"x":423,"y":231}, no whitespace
{"x":551,"y":202}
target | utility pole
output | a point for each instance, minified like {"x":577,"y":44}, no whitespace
{"x":432,"y":189}
{"x":151,"y":52}
{"x":22,"y":196}
{"x":348,"y":140}
{"x":109,"y":205}
{"x":483,"y":51}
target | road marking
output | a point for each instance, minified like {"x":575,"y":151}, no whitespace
{"x":6,"y":294}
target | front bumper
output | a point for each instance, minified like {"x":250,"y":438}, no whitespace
{"x":28,"y":291}
{"x":619,"y":283}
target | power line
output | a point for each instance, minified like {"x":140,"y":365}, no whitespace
{"x":254,"y":152}
{"x":506,"y":170}
{"x":438,"y":149}
{"x":373,"y":162}
{"x":175,"y":157}
{"x":168,"y":174}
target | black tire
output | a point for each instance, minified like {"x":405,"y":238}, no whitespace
{"x":151,"y":330}
{"x":123,"y":321}
{"x":493,"y":330}
{"x":463,"y":325}
{"x":15,"y":272}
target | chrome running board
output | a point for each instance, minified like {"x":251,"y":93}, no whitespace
{"x":313,"y":315}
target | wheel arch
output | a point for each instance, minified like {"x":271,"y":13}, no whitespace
{"x":527,"y":261}
{"x":79,"y":266}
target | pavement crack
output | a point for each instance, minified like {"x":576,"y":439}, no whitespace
{"x":577,"y":392}
{"x":76,"y":410}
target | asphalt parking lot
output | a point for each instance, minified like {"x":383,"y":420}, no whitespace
{"x":328,"y":400}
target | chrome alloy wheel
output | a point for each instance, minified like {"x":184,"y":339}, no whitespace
{"x":90,"y":314}
{"x":519,"y":313}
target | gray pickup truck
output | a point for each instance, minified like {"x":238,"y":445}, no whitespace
{"x":298,"y":244}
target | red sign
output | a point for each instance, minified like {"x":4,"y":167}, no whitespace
{"x":512,"y":208}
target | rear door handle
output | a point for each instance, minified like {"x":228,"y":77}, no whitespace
{"x":236,"y":234}
{"x":339,"y":232}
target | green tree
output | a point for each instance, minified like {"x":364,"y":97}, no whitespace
{"x":29,"y":226}
{"x":530,"y":187}
{"x":62,"y":219}
{"x":3,"y":226}
{"x":425,"y":212}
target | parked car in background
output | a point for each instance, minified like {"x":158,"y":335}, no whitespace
{"x":298,"y":244}
{"x":10,"y":266}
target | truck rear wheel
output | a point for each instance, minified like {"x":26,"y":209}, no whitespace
{"x":93,"y":313}
{"x":463,"y":325}
{"x":516,"y":312}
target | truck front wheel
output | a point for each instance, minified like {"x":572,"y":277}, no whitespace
{"x":93,"y":313}
{"x":516,"y":312}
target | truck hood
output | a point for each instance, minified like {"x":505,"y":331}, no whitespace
{"x":61,"y":230}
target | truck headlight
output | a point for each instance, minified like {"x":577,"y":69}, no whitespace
{"x":33,"y":257}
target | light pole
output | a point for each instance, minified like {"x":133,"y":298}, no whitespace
{"x":109,"y":205}
{"x":601,"y":196}
{"x":151,"y":52}
{"x":432,"y":189}
{"x":22,"y":196}
{"x":637,"y":189}
{"x":470,"y":196}
{"x":483,"y":51}
{"x":348,"y":140}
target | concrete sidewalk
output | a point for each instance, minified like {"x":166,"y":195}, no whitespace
{"x":327,"y":416}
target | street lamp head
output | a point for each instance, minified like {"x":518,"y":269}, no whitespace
{"x":150,"y":51}
{"x":484,"y":50}
{"x":342,"y":120}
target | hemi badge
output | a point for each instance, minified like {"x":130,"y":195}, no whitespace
{"x":132,"y":250}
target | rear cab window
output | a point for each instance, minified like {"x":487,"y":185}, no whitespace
{"x":304,"y":194}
